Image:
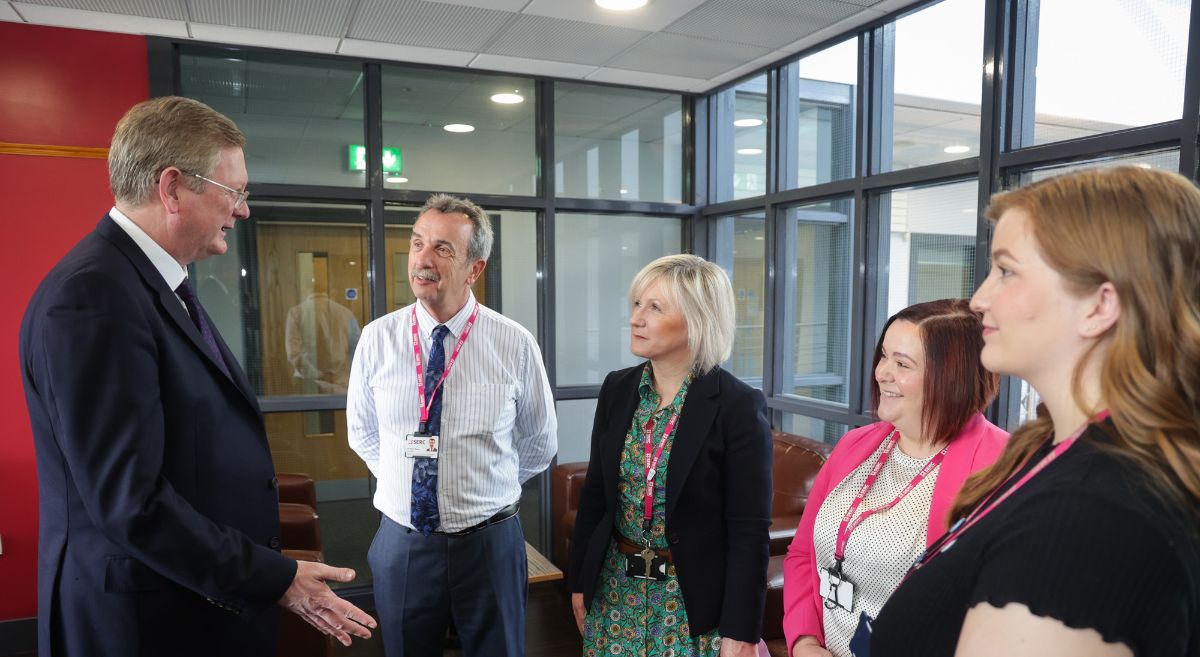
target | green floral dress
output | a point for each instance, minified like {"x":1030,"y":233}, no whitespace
{"x":638,"y":617}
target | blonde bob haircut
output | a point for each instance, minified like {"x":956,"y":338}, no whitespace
{"x":705,"y":297}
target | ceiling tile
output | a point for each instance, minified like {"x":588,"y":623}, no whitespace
{"x":413,"y":54}
{"x":91,"y":20}
{"x":888,"y":6}
{"x":765,"y":23}
{"x":643,"y":79}
{"x":427,"y":24}
{"x":264,"y":38}
{"x":499,"y":5}
{"x":738,"y":72}
{"x":544,"y":67}
{"x":555,"y":39}
{"x":316,"y":17}
{"x":164,"y":9}
{"x":686,"y":56}
{"x":651,"y":18}
{"x":844,"y":27}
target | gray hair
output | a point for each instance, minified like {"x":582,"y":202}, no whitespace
{"x":166,"y":132}
{"x":704,"y":295}
{"x":480,"y":247}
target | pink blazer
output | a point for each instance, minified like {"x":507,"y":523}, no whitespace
{"x":977,"y":446}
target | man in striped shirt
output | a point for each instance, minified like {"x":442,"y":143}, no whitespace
{"x":449,"y":406}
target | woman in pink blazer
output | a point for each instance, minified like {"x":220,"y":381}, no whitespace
{"x":885,"y":492}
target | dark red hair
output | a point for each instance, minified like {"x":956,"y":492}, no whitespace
{"x":956,"y":384}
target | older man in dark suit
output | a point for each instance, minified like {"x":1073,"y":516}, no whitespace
{"x":159,"y":510}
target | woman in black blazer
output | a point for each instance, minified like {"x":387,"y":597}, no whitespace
{"x":671,"y":559}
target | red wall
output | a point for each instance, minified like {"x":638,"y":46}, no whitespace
{"x":58,"y":87}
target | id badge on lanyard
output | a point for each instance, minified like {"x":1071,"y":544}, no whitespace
{"x":422,"y":443}
{"x":836,"y":589}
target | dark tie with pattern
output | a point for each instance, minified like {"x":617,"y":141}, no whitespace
{"x":188,"y":295}
{"x":424,"y":503}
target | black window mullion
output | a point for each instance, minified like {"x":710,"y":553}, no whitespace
{"x":1023,"y":87}
{"x":376,"y":232}
{"x":784,"y":125}
{"x":1189,"y":159}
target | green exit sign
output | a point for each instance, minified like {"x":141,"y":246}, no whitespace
{"x":358,"y":159}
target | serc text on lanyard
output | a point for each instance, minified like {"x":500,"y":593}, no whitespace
{"x":985,"y":507}
{"x":426,"y":402}
{"x":652,"y":465}
{"x":850,"y":523}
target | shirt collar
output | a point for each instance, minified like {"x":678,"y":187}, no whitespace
{"x":169,"y":268}
{"x":426,"y":322}
{"x":647,"y":391}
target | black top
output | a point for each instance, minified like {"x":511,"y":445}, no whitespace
{"x":1085,"y":542}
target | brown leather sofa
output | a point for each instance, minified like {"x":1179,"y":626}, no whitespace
{"x":796,"y":462}
{"x":300,"y":534}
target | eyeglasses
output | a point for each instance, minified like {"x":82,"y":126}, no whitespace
{"x":238,"y":195}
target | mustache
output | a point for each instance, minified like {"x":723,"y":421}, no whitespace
{"x":426,"y":275}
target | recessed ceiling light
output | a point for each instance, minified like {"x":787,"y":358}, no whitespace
{"x":396,"y":179}
{"x":508,"y":98}
{"x":620,"y":5}
{"x":748,"y":123}
{"x":956,"y":149}
{"x":759,"y":238}
{"x":749,"y":151}
{"x":458,"y":127}
{"x":1145,"y":165}
{"x":624,"y":191}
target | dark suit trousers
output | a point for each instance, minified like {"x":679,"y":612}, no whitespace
{"x":421,"y":582}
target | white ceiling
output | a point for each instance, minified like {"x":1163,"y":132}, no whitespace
{"x":680,"y":45}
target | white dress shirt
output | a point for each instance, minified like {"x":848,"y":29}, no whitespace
{"x":170,"y":269}
{"x":498,"y":426}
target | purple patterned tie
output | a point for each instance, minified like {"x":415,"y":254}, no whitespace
{"x":188,"y":295}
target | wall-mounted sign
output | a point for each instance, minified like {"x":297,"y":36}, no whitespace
{"x":358,"y":159}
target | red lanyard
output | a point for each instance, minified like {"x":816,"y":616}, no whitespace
{"x":652,"y":463}
{"x":845,"y":529}
{"x":988,"y":504}
{"x":416,"y":344}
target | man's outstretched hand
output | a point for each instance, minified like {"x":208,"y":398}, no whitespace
{"x":310,"y":598}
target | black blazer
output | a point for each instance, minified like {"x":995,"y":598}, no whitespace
{"x":718,"y":499}
{"x":159,"y":514}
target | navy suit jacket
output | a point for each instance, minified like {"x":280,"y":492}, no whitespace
{"x":718,"y":499}
{"x":159,"y":517}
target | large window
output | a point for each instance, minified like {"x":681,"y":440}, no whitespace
{"x":595,"y":259}
{"x":460,"y":132}
{"x":749,"y":277}
{"x":742,"y":141}
{"x":823,"y":132}
{"x":934,"y":117}
{"x":301,"y":115}
{"x":926,"y":245}
{"x":1084,"y":84}
{"x":622,"y":144}
{"x":291,"y":295}
{"x":816,"y":314}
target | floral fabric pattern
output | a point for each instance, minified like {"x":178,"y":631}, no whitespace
{"x":638,"y":617}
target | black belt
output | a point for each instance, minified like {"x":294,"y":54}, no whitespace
{"x":501,"y":515}
{"x":626,"y":546}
